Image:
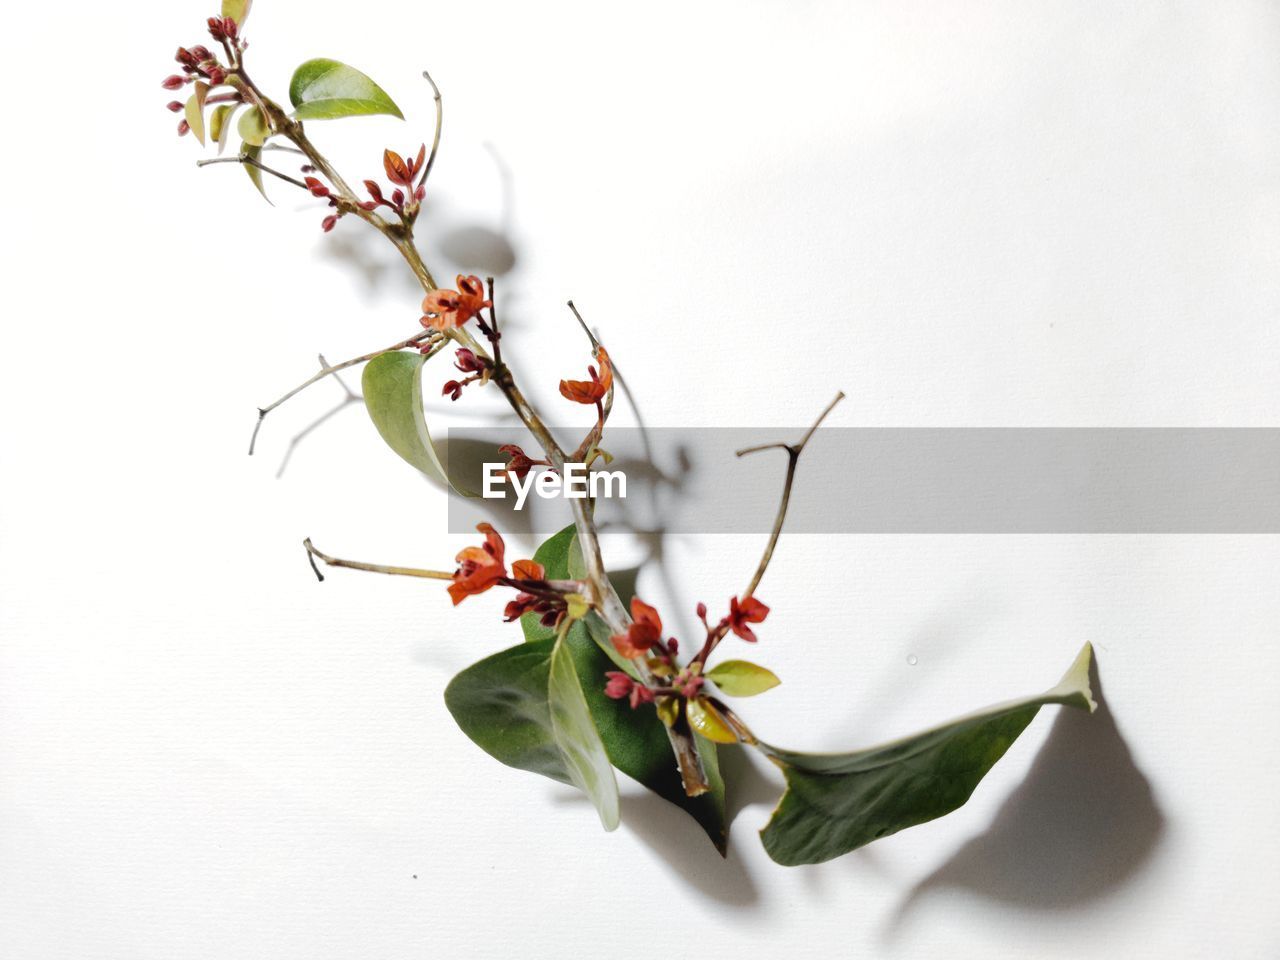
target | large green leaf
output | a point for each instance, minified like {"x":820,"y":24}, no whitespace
{"x":326,"y":90}
{"x":253,"y":128}
{"x":635,"y":740}
{"x":837,"y":802}
{"x":392,"y":385}
{"x":576,"y":735}
{"x":501,"y":704}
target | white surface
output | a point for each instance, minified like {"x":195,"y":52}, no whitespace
{"x":961,"y":214}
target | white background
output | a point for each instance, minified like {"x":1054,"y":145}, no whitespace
{"x":980,"y":214}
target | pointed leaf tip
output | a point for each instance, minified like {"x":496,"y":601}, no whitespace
{"x":324,"y":89}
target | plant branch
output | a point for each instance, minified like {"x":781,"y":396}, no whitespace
{"x":250,"y":161}
{"x":793,"y":458}
{"x":435,"y":141}
{"x":313,"y":554}
{"x":327,"y":370}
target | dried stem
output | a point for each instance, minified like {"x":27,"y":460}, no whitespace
{"x":327,"y":370}
{"x":793,"y":458}
{"x":250,"y":161}
{"x":313,"y":554}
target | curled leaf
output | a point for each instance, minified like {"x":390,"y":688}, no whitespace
{"x":837,"y":802}
{"x":324,"y":89}
{"x":739,"y":678}
{"x":585,"y":757}
{"x":194,"y":111}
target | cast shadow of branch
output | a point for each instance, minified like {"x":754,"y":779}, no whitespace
{"x":1082,"y":824}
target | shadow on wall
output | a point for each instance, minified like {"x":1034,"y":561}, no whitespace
{"x":1082,"y":824}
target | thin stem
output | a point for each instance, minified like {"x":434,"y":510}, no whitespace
{"x":313,"y":554}
{"x":793,"y":458}
{"x":245,"y":159}
{"x":327,"y":370}
{"x":435,"y":141}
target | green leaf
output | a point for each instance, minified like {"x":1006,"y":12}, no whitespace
{"x":837,"y":802}
{"x":220,"y":124}
{"x":393,"y":396}
{"x":635,"y":740}
{"x":501,"y":704}
{"x":253,"y":127}
{"x":253,"y":153}
{"x":326,"y":90}
{"x":739,"y":678}
{"x":585,"y":757}
{"x":194,"y":110}
{"x":237,"y":10}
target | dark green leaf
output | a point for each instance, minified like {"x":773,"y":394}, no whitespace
{"x":326,"y":90}
{"x":838,"y":802}
{"x":501,"y":704}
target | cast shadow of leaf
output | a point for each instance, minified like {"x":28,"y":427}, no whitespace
{"x":1082,"y":824}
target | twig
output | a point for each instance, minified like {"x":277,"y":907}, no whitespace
{"x":793,"y":458}
{"x":326,"y":370}
{"x":595,"y":344}
{"x":244,"y":158}
{"x":313,"y":554}
{"x":435,"y":142}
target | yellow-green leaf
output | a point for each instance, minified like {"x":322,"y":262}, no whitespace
{"x":237,"y":10}
{"x":220,"y":124}
{"x":253,"y":153}
{"x":195,"y":110}
{"x":324,"y":89}
{"x":253,"y":127}
{"x":707,"y":720}
{"x":739,"y":678}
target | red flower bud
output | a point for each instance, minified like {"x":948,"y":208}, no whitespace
{"x":419,"y":194}
{"x":186,"y":57}
{"x":200,"y":52}
{"x":368,"y":206}
{"x":329,"y":222}
{"x":375,"y":191}
{"x":183,"y":128}
{"x":398,"y":198}
{"x":467,"y":361}
{"x":618,"y":686}
{"x":216,"y":75}
{"x":317,"y":188}
{"x":230,"y":28}
{"x":215,"y":29}
{"x":175,"y":106}
{"x":702,"y":611}
{"x":452,"y":390}
{"x":173,"y":82}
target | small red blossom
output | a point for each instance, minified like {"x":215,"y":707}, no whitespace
{"x":329,"y":222}
{"x":452,"y":389}
{"x":443,"y":309}
{"x":748,"y":611}
{"x":643,"y":634}
{"x":174,"y":82}
{"x":590,"y":391}
{"x":528,"y":570}
{"x":467,"y":361}
{"x":519,"y":463}
{"x":619,"y":686}
{"x":479,"y":568}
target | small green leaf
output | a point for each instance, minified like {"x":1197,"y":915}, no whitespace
{"x":393,"y":396}
{"x":195,"y":110}
{"x":220,"y":124}
{"x":253,"y":127}
{"x":253,"y":153}
{"x":237,"y":10}
{"x":837,"y":802}
{"x":326,"y":90}
{"x":739,"y":678}
{"x":584,"y":753}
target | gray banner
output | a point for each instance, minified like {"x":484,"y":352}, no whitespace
{"x":909,"y":480}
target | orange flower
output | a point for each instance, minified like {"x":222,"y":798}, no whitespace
{"x":452,"y":308}
{"x":528,"y":570}
{"x":643,"y":634}
{"x":479,"y":568}
{"x":593,"y":390}
{"x":748,"y":611}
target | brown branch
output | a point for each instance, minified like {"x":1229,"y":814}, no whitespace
{"x":250,"y":161}
{"x":793,"y":458}
{"x":313,"y":554}
{"x":435,"y":141}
